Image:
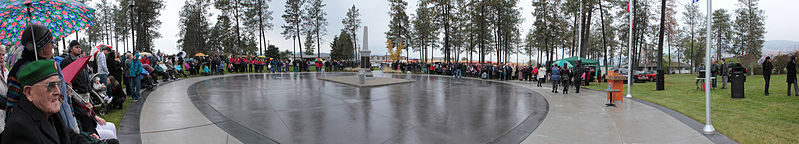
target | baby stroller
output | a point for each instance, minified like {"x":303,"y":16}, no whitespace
{"x":147,"y":81}
{"x":98,"y":99}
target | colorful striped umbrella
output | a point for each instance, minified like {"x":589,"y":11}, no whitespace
{"x":762,"y":59}
{"x":62,"y":17}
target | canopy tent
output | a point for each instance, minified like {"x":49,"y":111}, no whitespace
{"x":574,"y":59}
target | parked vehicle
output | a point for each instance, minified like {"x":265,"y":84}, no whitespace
{"x":651,"y":75}
{"x":640,"y":77}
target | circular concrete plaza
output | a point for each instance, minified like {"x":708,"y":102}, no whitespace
{"x":300,"y":108}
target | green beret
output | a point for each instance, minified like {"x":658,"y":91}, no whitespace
{"x":37,"y":71}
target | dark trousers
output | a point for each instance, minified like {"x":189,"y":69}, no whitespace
{"x":128,"y":85}
{"x":577,"y":85}
{"x":795,"y":87}
{"x":767,"y":77}
{"x":541,"y":80}
{"x":714,"y":80}
{"x":555,"y":84}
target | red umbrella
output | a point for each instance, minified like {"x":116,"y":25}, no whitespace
{"x":74,"y":68}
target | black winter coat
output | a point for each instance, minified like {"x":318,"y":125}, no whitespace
{"x":767,"y":68}
{"x":791,"y":77}
{"x":28,"y":125}
{"x":81,"y":81}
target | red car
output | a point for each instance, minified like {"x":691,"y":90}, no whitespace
{"x":651,"y":75}
{"x":640,"y":76}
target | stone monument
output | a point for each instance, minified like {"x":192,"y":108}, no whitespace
{"x":365,"y":77}
{"x":365,"y":65}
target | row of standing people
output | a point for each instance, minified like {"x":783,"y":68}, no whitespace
{"x":559,"y":75}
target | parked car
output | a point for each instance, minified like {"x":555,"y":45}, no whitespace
{"x":651,"y":75}
{"x":640,"y":77}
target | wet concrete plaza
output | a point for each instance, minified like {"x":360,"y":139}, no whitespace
{"x":299,"y":108}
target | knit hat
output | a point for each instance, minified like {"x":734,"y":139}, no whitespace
{"x":37,"y":71}
{"x":41,"y":33}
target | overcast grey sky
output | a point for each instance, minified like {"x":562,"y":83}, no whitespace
{"x":780,"y":21}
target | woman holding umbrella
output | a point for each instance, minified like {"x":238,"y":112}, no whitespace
{"x":43,"y":50}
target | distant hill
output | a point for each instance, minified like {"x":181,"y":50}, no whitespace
{"x":777,"y":46}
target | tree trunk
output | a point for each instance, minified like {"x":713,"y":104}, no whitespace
{"x":446,"y":33}
{"x":604,"y":38}
{"x":236,"y":15}
{"x":691,"y":59}
{"x":299,"y":39}
{"x":586,"y":36}
{"x":262,"y":37}
{"x":576,"y":32}
{"x":318,"y":42}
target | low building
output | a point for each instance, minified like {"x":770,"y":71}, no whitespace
{"x":676,"y":68}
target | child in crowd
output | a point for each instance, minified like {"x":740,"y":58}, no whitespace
{"x":115,"y":91}
{"x":99,"y":87}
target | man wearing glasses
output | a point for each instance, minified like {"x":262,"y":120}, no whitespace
{"x":35,"y":118}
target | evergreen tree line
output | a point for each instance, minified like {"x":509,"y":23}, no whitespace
{"x":462,"y":30}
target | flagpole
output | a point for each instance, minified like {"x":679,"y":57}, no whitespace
{"x":708,"y":126}
{"x":630,"y":50}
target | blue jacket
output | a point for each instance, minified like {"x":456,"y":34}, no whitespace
{"x":555,"y":73}
{"x":135,"y":67}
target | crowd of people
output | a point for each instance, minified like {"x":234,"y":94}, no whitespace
{"x":40,"y":106}
{"x":559,"y":75}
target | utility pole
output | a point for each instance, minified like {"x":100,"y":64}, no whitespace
{"x":659,"y":77}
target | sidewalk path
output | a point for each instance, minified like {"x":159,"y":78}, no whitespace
{"x":168,"y":116}
{"x":583,"y":118}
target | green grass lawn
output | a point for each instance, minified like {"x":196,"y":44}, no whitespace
{"x":754,"y":119}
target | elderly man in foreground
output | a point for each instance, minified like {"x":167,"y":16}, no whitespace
{"x":36,"y":119}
